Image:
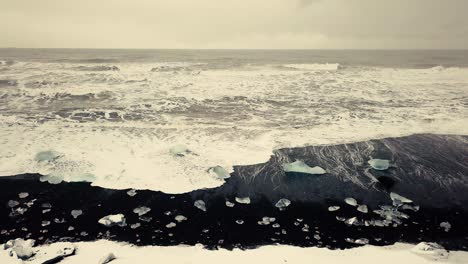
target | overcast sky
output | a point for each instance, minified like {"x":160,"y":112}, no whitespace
{"x":293,"y":24}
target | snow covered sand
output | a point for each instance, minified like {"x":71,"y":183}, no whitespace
{"x":92,"y":252}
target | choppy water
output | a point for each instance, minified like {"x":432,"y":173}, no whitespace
{"x":115,"y":114}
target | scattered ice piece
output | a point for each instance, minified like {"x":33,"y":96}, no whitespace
{"x":46,"y":205}
{"x":45,"y":223}
{"x":220,"y":172}
{"x":446,"y":226}
{"x":46,"y":211}
{"x":76,"y":213}
{"x":379,"y":164}
{"x":362,"y":241}
{"x":398,"y":198}
{"x":180,"y":150}
{"x":432,"y":251}
{"x":71,"y":228}
{"x":317,"y":237}
{"x":13,"y":203}
{"x":301,"y":167}
{"x":132,"y":192}
{"x":171,"y":225}
{"x":229,"y":204}
{"x":283,"y":203}
{"x":339,"y":218}
{"x":66,"y":251}
{"x":276,"y":225}
{"x":23,"y":249}
{"x":333,"y":208}
{"x":351,"y":201}
{"x":200,"y":205}
{"x":180,"y":218}
{"x":142,"y":210}
{"x":83,"y":233}
{"x":146,"y":219}
{"x":111,"y":220}
{"x":305,"y":229}
{"x":135,"y":226}
{"x":352,"y":221}
{"x":363,"y":208}
{"x":107,"y":258}
{"x":168,"y":213}
{"x":47,"y":156}
{"x":59,"y":221}
{"x":414,"y":208}
{"x":23,"y":195}
{"x":243,"y":200}
{"x":239,"y":221}
{"x":266,"y":220}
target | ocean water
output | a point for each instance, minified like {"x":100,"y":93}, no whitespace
{"x":114,"y":115}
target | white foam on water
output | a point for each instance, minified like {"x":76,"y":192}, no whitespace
{"x":314,"y":66}
{"x":121,"y":136}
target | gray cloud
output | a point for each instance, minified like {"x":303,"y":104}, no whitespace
{"x":234,"y":24}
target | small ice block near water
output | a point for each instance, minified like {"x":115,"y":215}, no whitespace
{"x":301,"y":167}
{"x":23,"y":195}
{"x":220,"y":172}
{"x":200,"y":205}
{"x":23,"y":249}
{"x":76,"y":213}
{"x":112,"y":220}
{"x":180,"y":218}
{"x":142,"y":210}
{"x":283,"y":203}
{"x":333,"y":208}
{"x":132,"y":192}
{"x":229,"y":204}
{"x":52,"y":178}
{"x":351,"y":201}
{"x":243,"y":200}
{"x":379,"y":164}
{"x":180,"y":150}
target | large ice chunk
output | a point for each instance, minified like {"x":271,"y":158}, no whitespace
{"x":379,"y":164}
{"x":23,"y":249}
{"x":112,"y":220}
{"x":300,"y":167}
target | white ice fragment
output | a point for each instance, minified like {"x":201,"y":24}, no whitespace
{"x":180,"y":218}
{"x":171,"y":225}
{"x":45,"y":223}
{"x":243,"y":200}
{"x":352,"y":221}
{"x":111,"y":220}
{"x":351,"y":201}
{"x":71,"y":228}
{"x":200,"y":205}
{"x":283,"y":203}
{"x":23,"y":195}
{"x":446,"y":226}
{"x":361,"y":241}
{"x":142,"y":210}
{"x":229,"y":204}
{"x":239,"y":221}
{"x":180,"y":150}
{"x":379,"y":164}
{"x":76,"y":213}
{"x":132,"y":192}
{"x":333,"y":208}
{"x":12,"y":203}
{"x":220,"y":172}
{"x":300,"y":167}
{"x":398,"y":198}
{"x":52,"y":178}
{"x":431,"y":251}
{"x":47,"y":156}
{"x":107,"y":258}
{"x":23,"y":249}
{"x":362,"y":208}
{"x":135,"y":226}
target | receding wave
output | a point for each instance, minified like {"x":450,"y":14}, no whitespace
{"x":98,"y":68}
{"x":314,"y":66}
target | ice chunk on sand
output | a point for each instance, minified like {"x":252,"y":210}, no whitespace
{"x":200,"y":205}
{"x":23,"y":195}
{"x":180,"y":218}
{"x":220,"y":172}
{"x":431,"y":251}
{"x":112,"y":220}
{"x":76,"y":213}
{"x":283,"y":203}
{"x":47,"y":156}
{"x":333,"y":208}
{"x":351,"y":201}
{"x":379,"y":164}
{"x":171,"y":225}
{"x":107,"y":258}
{"x":301,"y":167}
{"x":23,"y":249}
{"x":352,"y":221}
{"x":362,"y":208}
{"x":135,"y":226}
{"x":132,"y":192}
{"x":266,"y":220}
{"x":52,"y":178}
{"x":239,"y":221}
{"x":243,"y":200}
{"x":180,"y":150}
{"x":361,"y":241}
{"x":229,"y":204}
{"x":13,"y":203}
{"x":446,"y":226}
{"x":399,"y":199}
{"x":142,"y":210}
